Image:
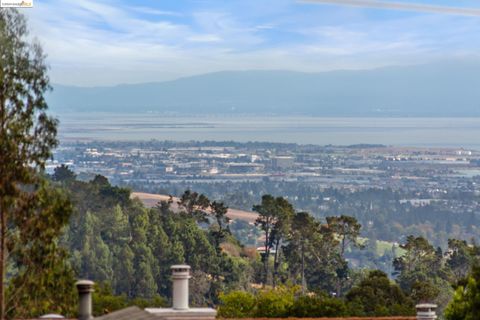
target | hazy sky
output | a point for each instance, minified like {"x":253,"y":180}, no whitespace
{"x":106,"y":42}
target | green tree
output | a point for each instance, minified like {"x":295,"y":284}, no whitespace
{"x":44,"y":279}
{"x":377,"y":296}
{"x":100,"y":181}
{"x":419,"y":263}
{"x":281,"y":229}
{"x":192,"y":245}
{"x":348,"y":230}
{"x":301,"y":242}
{"x":466,"y":300}
{"x":195,"y":205}
{"x":94,"y":259}
{"x":274,"y":218}
{"x":63,"y":174}
{"x":27,"y":133}
{"x":219,"y":231}
{"x":144,"y":265}
{"x":117,"y":234}
{"x":267,"y":217}
{"x":166,"y":247}
{"x":123,"y":270}
{"x":461,"y":257}
{"x":313,"y":248}
{"x":421,"y":272}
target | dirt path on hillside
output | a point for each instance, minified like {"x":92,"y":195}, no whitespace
{"x":151,"y":199}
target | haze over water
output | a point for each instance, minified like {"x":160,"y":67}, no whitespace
{"x":415,"y":132}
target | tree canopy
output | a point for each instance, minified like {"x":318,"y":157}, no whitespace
{"x":32,"y":214}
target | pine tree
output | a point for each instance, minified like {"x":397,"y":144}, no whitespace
{"x":274,"y":218}
{"x":94,"y":260}
{"x":348,"y":230}
{"x":144,"y":284}
{"x":123,"y":271}
{"x":301,"y":239}
{"x":466,"y":301}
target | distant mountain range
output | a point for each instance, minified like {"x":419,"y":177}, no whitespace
{"x":448,"y":89}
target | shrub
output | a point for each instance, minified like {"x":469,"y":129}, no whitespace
{"x":155,"y":302}
{"x":275,"y":303}
{"x":318,"y":306}
{"x":378,"y":296}
{"x":104,"y":301}
{"x":236,"y":304}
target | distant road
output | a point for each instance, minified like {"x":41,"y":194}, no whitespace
{"x":151,"y":200}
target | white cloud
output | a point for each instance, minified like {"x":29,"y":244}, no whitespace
{"x":264,"y":27}
{"x":152,"y":11}
{"x":101,"y":43}
{"x":204,"y":38}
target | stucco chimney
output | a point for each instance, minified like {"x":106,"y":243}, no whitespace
{"x":85,"y":289}
{"x":180,"y":277}
{"x":180,"y":309}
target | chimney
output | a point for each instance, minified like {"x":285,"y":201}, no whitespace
{"x":180,"y":276}
{"x":85,"y":289}
{"x":180,"y":309}
{"x":426,"y":311}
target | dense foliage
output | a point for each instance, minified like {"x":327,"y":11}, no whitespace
{"x":33,"y":268}
{"x":466,"y":301}
{"x":378,"y":296}
{"x":128,"y":249}
{"x":41,"y":278}
{"x":117,"y":241}
{"x":383,"y":213}
{"x":289,"y":302}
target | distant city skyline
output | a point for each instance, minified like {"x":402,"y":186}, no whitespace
{"x":106,"y":42}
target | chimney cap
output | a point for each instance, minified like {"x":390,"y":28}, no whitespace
{"x":84,"y":285}
{"x":180,"y":266}
{"x":426,"y":305}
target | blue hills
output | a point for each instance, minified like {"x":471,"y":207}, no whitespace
{"x":440,"y":89}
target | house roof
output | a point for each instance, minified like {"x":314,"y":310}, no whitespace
{"x":135,"y":313}
{"x":338,"y":318}
{"x":129,"y":313}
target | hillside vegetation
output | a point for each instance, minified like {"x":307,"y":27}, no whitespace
{"x":128,"y":249}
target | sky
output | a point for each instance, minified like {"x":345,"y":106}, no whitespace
{"x":110,"y":42}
